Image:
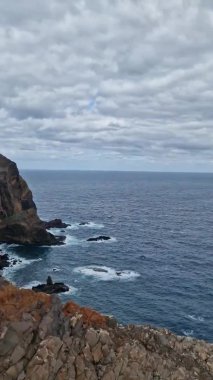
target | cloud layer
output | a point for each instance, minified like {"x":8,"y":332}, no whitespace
{"x":127,"y":82}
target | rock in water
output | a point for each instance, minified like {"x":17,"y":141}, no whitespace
{"x":4,"y":261}
{"x":55,"y":223}
{"x":99,"y":238}
{"x":50,"y":287}
{"x":19,"y":222}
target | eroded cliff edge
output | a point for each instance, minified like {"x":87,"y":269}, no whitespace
{"x":19,"y":222}
{"x":40,"y":339}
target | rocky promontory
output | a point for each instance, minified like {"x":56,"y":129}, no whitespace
{"x":41,"y":339}
{"x":19,"y":221}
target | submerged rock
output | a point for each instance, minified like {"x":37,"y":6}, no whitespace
{"x":100,"y":270}
{"x":99,"y":238}
{"x":84,"y":224}
{"x":50,"y":287}
{"x":19,"y":221}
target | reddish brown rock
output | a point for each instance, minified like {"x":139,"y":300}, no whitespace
{"x":41,"y":339}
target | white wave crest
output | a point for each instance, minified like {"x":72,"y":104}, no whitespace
{"x":31,"y":284}
{"x":72,"y":290}
{"x":57,"y":231}
{"x":77,"y":225}
{"x":20,"y":264}
{"x":188,"y":332}
{"x":72,"y":240}
{"x":104,"y":273}
{"x":195,"y":318}
{"x":56,"y":269}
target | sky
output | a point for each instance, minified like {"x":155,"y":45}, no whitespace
{"x":107,"y":84}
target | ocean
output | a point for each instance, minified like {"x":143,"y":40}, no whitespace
{"x":161,"y":245}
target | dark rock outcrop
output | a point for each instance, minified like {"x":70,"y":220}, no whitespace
{"x":50,"y":287}
{"x":99,"y":238}
{"x":41,"y":340}
{"x":55,"y":223}
{"x":4,"y":260}
{"x":19,"y":222}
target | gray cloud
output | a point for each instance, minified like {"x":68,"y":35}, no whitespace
{"x":126,"y":80}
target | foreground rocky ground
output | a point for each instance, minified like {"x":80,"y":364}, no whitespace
{"x":40,"y":339}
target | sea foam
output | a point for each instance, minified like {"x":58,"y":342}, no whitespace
{"x":92,"y":225}
{"x":195,"y":318}
{"x":104,"y":273}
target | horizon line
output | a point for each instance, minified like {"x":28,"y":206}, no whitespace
{"x":117,"y":171}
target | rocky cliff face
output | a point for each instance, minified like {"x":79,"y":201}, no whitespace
{"x":42,"y":340}
{"x":19,"y":222}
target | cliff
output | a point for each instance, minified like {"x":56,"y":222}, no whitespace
{"x":19,"y":222}
{"x":40,"y":339}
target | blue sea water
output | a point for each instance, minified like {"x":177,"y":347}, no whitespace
{"x":161,"y":229}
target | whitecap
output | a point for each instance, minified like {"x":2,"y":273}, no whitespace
{"x":31,"y":284}
{"x":188,"y":332}
{"x":72,"y":290}
{"x":195,"y":318}
{"x":72,"y":240}
{"x":3,"y":247}
{"x":104,"y":273}
{"x":57,"y":231}
{"x":74,"y":226}
{"x":20,"y":264}
{"x":92,"y":225}
{"x":56,"y":269}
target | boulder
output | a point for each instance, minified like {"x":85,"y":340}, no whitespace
{"x":50,"y":287}
{"x":4,"y":261}
{"x":99,"y":238}
{"x":55,"y":223}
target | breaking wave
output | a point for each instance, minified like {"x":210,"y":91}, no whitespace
{"x":20,"y":264}
{"x":195,"y":318}
{"x":93,"y":225}
{"x":188,"y":332}
{"x":72,"y":240}
{"x":104,"y":273}
{"x":110,"y":240}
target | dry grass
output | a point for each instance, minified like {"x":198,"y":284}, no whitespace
{"x":14,"y":302}
{"x":90,"y":317}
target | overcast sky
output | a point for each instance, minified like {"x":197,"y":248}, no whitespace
{"x":107,"y":84}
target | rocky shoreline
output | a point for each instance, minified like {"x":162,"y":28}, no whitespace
{"x":6,"y":261}
{"x":41,"y":339}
